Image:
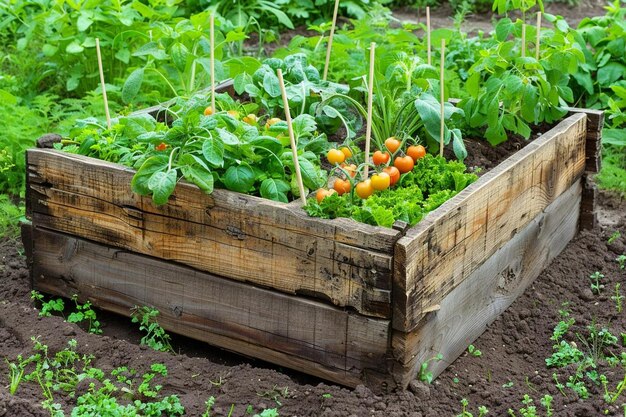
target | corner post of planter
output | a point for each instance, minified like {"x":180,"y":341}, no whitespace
{"x":593,"y":163}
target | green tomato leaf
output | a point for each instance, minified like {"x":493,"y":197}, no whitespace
{"x":139,"y":183}
{"x":179,"y":54}
{"x":271,"y":84}
{"x":227,"y":138}
{"x":132,"y":85}
{"x":74,"y":48}
{"x":213,"y":151}
{"x":199,"y":176}
{"x":239,"y":178}
{"x":310,"y":173}
{"x":275,"y":189}
{"x":162,"y":185}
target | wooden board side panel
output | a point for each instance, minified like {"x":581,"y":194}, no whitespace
{"x":320,"y":339}
{"x":452,"y":242}
{"x":241,"y":237}
{"x":466,"y":311}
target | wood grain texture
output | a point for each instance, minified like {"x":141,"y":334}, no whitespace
{"x":445,"y":248}
{"x":467,"y":310}
{"x":593,"y":146}
{"x":291,"y":331}
{"x":229,"y":234}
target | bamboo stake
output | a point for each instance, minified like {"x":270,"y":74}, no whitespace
{"x":428,"y":35}
{"x":104,"y":89}
{"x":523,"y":40}
{"x":538,"y":41}
{"x":292,"y":139}
{"x":442,"y":98}
{"x":370,"y":98}
{"x":330,"y":40}
{"x":212,"y":35}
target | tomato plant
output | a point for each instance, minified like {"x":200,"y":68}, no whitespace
{"x":335,"y":156}
{"x":342,"y":186}
{"x":392,"y":144}
{"x":416,"y":152}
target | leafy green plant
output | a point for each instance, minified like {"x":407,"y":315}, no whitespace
{"x":482,"y":410}
{"x":10,"y":217}
{"x":209,"y":403}
{"x":472,"y":350}
{"x":216,"y":150}
{"x":595,"y":278}
{"x":155,"y":336}
{"x":614,"y":236}
{"x":621,"y":260}
{"x":530,"y":410}
{"x":424,"y":373}
{"x":84,"y":313}
{"x":48,"y":307}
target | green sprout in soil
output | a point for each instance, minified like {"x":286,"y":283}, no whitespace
{"x":426,"y":375}
{"x":482,"y":410}
{"x":84,"y":312}
{"x":621,"y":260}
{"x":209,"y":403}
{"x":595,"y":278}
{"x":472,"y":350}
{"x":618,"y":298}
{"x":155,"y":336}
{"x":616,"y":235}
{"x":530,"y":410}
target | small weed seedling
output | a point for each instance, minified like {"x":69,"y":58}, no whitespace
{"x":621,"y":260}
{"x":471,"y":349}
{"x":482,"y":410}
{"x":616,"y":235}
{"x":155,"y":337}
{"x":47,"y":307}
{"x":618,"y":298}
{"x":508,"y":384}
{"x":16,"y":372}
{"x":530,"y":410}
{"x":595,"y":278}
{"x":424,"y":374}
{"x":275,"y":394}
{"x":84,"y":312}
{"x":209,"y":405}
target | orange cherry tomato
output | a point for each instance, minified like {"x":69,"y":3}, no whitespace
{"x":322,"y":193}
{"x":392,"y":144}
{"x":404,"y":164}
{"x":335,"y":156}
{"x":208,"y":111}
{"x":416,"y":152}
{"x":381,"y":181}
{"x":250,"y":119}
{"x":350,"y":168}
{"x":364,"y":189}
{"x":394,"y":174}
{"x":346,"y":151}
{"x":161,"y":146}
{"x":342,"y":186}
{"x":272,"y":122}
{"x":380,"y":158}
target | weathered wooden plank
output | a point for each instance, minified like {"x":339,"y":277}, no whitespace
{"x":291,"y":331}
{"x":466,"y":311}
{"x":230,"y":234}
{"x":445,"y":248}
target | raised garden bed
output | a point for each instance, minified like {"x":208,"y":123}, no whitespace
{"x":348,"y":302}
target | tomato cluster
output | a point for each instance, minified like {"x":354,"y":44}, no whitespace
{"x":389,"y":165}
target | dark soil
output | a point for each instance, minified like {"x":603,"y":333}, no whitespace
{"x":512,"y":364}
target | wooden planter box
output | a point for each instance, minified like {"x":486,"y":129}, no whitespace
{"x":341,"y":300}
